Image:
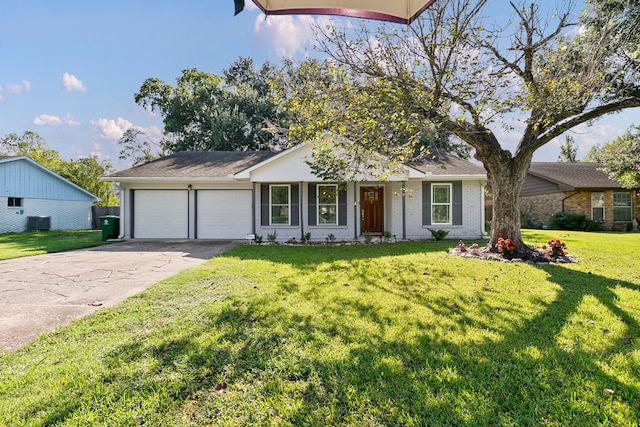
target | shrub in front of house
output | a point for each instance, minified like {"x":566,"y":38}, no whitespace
{"x":575,"y":222}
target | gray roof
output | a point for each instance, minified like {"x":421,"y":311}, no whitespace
{"x":573,"y":175}
{"x":441,"y":163}
{"x":196,"y":164}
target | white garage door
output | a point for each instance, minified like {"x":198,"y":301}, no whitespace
{"x":161,"y":214}
{"x":224,"y":214}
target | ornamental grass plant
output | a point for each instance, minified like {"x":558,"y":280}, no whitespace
{"x":399,"y":334}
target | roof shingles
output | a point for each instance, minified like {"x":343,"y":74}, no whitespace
{"x":574,"y":174}
{"x":196,"y":164}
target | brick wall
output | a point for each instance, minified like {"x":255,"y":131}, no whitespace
{"x":537,"y":210}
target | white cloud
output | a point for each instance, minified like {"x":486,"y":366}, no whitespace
{"x":286,"y":34}
{"x":47,"y":120}
{"x":111,"y":129}
{"x":14,"y":89}
{"x":71,"y":83}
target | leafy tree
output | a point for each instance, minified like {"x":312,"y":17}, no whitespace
{"x":209,"y":112}
{"x":32,"y":145}
{"x":568,"y":151}
{"x":457,"y":69}
{"x":136,"y":145}
{"x":621,"y":158}
{"x":85,"y":172}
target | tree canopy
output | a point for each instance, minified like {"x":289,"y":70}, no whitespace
{"x":204,"y":111}
{"x":543,"y":71}
{"x":84,"y":172}
{"x":621,"y":158}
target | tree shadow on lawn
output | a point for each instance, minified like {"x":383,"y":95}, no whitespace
{"x":527,"y":361}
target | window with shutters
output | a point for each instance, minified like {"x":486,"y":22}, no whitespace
{"x":441,"y":203}
{"x":327,"y":204}
{"x":280,"y":207}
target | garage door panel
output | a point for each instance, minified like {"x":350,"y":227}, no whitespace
{"x":224,"y":214}
{"x":161,"y":214}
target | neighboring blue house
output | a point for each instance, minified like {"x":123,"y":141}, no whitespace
{"x":34,"y":198}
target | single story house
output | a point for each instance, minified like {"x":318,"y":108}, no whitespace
{"x":229,"y":195}
{"x":579,"y":188}
{"x":33,"y":197}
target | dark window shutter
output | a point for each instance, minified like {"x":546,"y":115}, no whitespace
{"x":342,"y":206}
{"x":426,"y":203}
{"x":295,"y":204}
{"x":264,"y":204}
{"x":456,"y":203}
{"x":312,"y":205}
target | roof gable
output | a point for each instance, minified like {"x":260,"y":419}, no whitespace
{"x":29,"y":189}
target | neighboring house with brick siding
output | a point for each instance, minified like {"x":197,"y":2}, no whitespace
{"x":33,"y":197}
{"x":579,"y":188}
{"x":229,"y":195}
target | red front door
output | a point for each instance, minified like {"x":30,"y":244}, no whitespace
{"x":371,"y":210}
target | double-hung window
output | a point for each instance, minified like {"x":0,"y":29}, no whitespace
{"x":622,"y":207}
{"x":280,"y":204}
{"x":441,"y":203}
{"x":597,"y":206}
{"x":327,"y":203}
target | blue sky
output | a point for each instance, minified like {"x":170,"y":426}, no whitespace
{"x":69,"y":69}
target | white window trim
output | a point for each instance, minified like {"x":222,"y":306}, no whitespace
{"x":450,"y":203}
{"x":271,"y":205}
{"x":629,"y":207}
{"x":604,"y":210}
{"x":318,"y":204}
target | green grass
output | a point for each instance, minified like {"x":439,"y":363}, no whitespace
{"x":382,"y":335}
{"x":16,"y":245}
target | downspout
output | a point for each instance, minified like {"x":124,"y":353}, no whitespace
{"x":404,"y":211}
{"x":355,"y":210}
{"x":300,"y":207}
{"x":483,"y":229}
{"x":568,"y":197}
{"x":253,"y":208}
{"x":122,"y":207}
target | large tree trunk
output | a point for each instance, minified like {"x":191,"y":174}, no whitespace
{"x":506,"y":177}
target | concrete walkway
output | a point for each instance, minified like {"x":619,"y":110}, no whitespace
{"x":43,"y":292}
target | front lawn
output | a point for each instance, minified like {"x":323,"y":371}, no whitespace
{"x":382,"y":335}
{"x":16,"y":245}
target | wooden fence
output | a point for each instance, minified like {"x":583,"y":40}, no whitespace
{"x":98,"y":211}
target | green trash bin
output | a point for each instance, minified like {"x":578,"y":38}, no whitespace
{"x":110,"y":226}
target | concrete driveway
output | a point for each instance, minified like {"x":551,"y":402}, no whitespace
{"x":42,"y":292}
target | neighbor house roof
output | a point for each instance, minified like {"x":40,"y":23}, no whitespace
{"x":573,"y":175}
{"x":196,"y":164}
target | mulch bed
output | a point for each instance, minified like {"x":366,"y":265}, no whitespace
{"x":532,"y":256}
